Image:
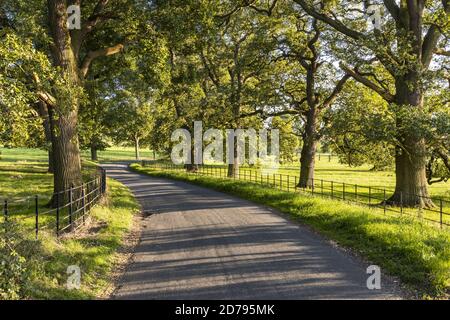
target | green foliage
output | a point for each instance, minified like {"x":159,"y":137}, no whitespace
{"x":130,"y":118}
{"x":14,"y":274}
{"x":289,"y":142}
{"x":360,"y":128}
{"x":19,"y":124}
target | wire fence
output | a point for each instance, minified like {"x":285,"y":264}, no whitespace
{"x":364,"y":195}
{"x":61,"y":212}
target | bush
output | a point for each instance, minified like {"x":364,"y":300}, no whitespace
{"x":13,"y":266}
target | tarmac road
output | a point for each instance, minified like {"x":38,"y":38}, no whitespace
{"x":201,"y":244}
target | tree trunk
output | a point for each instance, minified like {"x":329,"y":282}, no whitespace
{"x":136,"y":149}
{"x":44,"y":114}
{"x":67,"y":162}
{"x":51,"y":166}
{"x":308,"y":154}
{"x":191,"y":167}
{"x":94,"y":155}
{"x":233,"y":168}
{"x":66,"y":153}
{"x":411,"y":188}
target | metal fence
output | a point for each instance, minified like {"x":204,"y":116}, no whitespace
{"x":365,"y":195}
{"x":63,"y":212}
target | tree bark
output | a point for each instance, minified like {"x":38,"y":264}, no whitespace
{"x":309,"y":148}
{"x":44,"y":114}
{"x":51,"y":166}
{"x":66,"y":153}
{"x":233,"y":168}
{"x":192,"y":167}
{"x":136,"y":149}
{"x":94,"y":155}
{"x":411,"y":188}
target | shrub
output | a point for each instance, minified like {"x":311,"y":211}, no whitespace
{"x":13,"y":266}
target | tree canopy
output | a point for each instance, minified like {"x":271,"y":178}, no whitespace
{"x":369,"y":80}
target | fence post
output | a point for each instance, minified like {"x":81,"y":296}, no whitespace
{"x":312,"y":185}
{"x":384,"y":190}
{"x":356,"y":192}
{"x":70,"y":207}
{"x":36,"y":211}
{"x":83,"y":202}
{"x":441,"y":212}
{"x":57,"y":214}
{"x":332,"y":189}
{"x":343,"y":191}
{"x":401,"y":202}
{"x":103,"y":181}
{"x":5,"y":210}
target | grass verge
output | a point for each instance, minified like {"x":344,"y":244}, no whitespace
{"x":416,"y":253}
{"x":94,"y":250}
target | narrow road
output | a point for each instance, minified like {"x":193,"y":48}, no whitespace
{"x":201,"y":244}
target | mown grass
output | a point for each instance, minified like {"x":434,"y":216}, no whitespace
{"x":329,"y":169}
{"x":417,"y":253}
{"x":115,"y":153}
{"x":23,"y":174}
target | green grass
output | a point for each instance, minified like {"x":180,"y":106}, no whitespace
{"x":119,"y":154}
{"x":27,"y":156}
{"x":95,"y":252}
{"x":23,"y":174}
{"x":326,"y":169}
{"x":363,"y":175}
{"x":417,"y":253}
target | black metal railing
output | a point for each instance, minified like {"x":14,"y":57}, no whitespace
{"x":63,"y":212}
{"x":364,"y":195}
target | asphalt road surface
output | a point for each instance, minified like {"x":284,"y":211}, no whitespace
{"x":201,"y":244}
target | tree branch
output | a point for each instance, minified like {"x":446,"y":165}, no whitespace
{"x":98,"y":53}
{"x":339,"y":86}
{"x":431,"y":39}
{"x":336,"y":24}
{"x":355,"y":75}
{"x":42,"y":95}
{"x":442,"y":52}
{"x":393,"y":9}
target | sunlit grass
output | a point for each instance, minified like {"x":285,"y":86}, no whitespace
{"x":419,"y":254}
{"x":23,"y":175}
{"x":95,"y":253}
